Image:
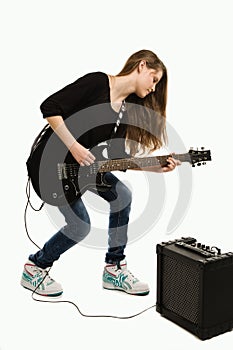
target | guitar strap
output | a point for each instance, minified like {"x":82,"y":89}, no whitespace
{"x":38,"y":138}
{"x":120,"y":116}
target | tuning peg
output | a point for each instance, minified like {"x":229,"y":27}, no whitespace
{"x":204,"y":163}
{"x":193,"y":165}
{"x":202,"y":148}
{"x":198,"y":164}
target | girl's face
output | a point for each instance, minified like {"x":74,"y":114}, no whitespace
{"x":147,"y":80}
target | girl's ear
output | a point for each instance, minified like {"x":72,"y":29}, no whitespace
{"x":141,"y":65}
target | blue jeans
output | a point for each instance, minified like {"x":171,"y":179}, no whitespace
{"x":78,"y":226}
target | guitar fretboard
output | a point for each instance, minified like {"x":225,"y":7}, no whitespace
{"x":132,"y":163}
{"x":66,"y":170}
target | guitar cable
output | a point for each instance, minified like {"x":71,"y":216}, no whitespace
{"x":48,"y":270}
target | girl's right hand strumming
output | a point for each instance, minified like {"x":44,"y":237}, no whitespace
{"x":82,"y":155}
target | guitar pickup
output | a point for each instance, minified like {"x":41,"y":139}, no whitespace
{"x":62,"y":171}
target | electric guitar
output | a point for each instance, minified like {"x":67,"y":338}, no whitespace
{"x":58,"y":179}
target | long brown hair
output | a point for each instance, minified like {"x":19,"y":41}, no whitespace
{"x":147,"y":116}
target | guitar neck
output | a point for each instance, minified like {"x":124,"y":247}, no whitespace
{"x":66,"y":170}
{"x":133,"y":163}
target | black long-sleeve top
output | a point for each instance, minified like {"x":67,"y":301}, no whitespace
{"x":85,"y":106}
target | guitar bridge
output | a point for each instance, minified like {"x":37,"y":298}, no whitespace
{"x":62,"y":171}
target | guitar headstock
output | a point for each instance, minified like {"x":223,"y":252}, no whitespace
{"x":199,"y":157}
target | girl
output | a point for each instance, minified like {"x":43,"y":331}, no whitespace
{"x":141,"y":89}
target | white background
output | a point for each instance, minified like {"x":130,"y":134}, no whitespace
{"x":48,"y":44}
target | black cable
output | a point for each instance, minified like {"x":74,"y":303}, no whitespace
{"x":25,"y":211}
{"x":47,"y":271}
{"x":93,"y":316}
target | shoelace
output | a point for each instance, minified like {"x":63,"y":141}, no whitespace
{"x":134,"y":279}
{"x":44,"y":273}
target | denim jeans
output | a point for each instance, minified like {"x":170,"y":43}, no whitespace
{"x":78,"y":226}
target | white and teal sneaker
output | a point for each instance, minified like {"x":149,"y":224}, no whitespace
{"x":119,"y":278}
{"x":38,"y":280}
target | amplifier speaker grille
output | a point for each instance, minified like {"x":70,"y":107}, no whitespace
{"x":181,"y":288}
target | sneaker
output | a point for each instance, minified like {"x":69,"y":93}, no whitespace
{"x":38,"y":281}
{"x":119,"y":278}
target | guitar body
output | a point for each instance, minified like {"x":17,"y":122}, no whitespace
{"x":49,"y":185}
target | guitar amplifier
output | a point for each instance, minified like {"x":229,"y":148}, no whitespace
{"x":195,"y":286}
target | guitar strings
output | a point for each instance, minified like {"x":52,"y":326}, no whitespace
{"x":115,"y":164}
{"x":28,"y":193}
